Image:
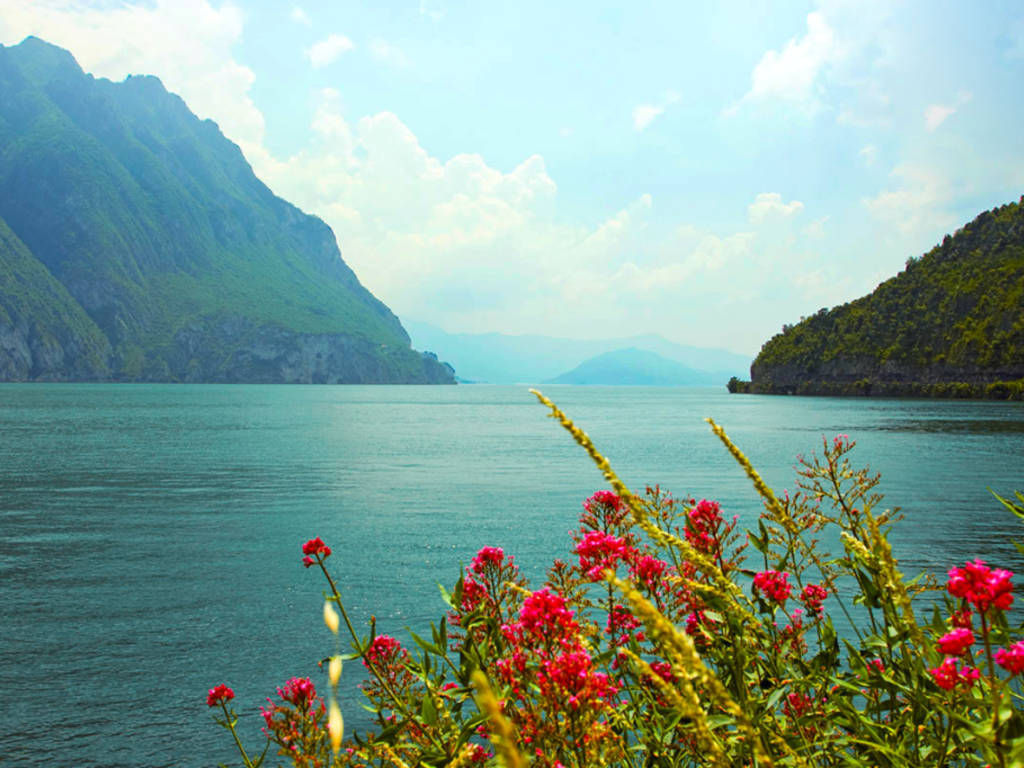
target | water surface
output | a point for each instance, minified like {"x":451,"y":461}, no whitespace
{"x":150,"y":534}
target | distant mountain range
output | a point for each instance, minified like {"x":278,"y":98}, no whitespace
{"x":636,"y":367}
{"x":497,"y":358}
{"x":136,"y":244}
{"x":950,"y":325}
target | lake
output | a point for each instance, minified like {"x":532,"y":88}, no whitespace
{"x":150,"y":534}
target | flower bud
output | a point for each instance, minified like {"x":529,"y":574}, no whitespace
{"x":335,"y":725}
{"x":330,"y":617}
{"x":334,"y":670}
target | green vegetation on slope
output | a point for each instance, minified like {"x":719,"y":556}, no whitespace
{"x":950,"y":324}
{"x":158,"y":229}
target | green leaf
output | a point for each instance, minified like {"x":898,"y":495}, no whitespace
{"x":428,"y":647}
{"x":428,"y":712}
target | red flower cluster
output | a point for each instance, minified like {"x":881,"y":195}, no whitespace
{"x":703,"y":524}
{"x":1011,"y":659}
{"x":604,"y":511}
{"x":981,"y":586}
{"x":797,"y":705}
{"x":570,"y":677}
{"x":957,"y":642}
{"x":219,"y":695}
{"x":493,"y":556}
{"x":773,"y":585}
{"x":947,"y":676}
{"x":603,"y":498}
{"x":382,"y":651}
{"x":600,"y":551}
{"x":812,"y":596}
{"x":314,"y":548}
{"x":298,"y":691}
{"x":547,"y":653}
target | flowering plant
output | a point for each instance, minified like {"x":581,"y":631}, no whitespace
{"x":658,"y":645}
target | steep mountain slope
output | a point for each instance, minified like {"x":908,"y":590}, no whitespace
{"x":950,"y":324}
{"x":158,"y":230}
{"x":635,"y":367}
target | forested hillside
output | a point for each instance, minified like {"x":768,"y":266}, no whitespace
{"x":950,"y":324}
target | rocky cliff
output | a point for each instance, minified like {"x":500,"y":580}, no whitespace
{"x":136,"y":244}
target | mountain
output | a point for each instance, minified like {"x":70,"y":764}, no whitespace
{"x":498,"y":358}
{"x":137,"y":244}
{"x":635,"y":366}
{"x":951,"y":324}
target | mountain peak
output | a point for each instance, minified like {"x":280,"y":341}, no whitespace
{"x":42,"y":62}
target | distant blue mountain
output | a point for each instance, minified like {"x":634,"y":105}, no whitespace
{"x":636,"y":367}
{"x":498,"y":358}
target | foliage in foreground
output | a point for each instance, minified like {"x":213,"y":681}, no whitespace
{"x":674,"y":639}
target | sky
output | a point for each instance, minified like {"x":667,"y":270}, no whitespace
{"x":704,"y":171}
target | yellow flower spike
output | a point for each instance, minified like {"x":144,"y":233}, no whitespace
{"x":334,"y":670}
{"x":503,"y":734}
{"x":760,"y":486}
{"x":335,"y":725}
{"x":640,"y":518}
{"x":331,"y":617}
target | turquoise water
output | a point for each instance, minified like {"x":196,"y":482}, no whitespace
{"x":150,"y":534}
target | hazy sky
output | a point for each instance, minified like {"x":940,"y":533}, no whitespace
{"x":707,"y":171}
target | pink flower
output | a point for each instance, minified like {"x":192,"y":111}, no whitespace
{"x":774,"y":585}
{"x":981,"y":586}
{"x":317,"y":549}
{"x":298,"y":691}
{"x":603,"y":498}
{"x":603,"y":511}
{"x":545,"y":616}
{"x":956,"y":643}
{"x":219,"y":695}
{"x":599,"y":551}
{"x":621,"y":624}
{"x":797,"y":705}
{"x":487,"y":556}
{"x":647,"y":570}
{"x":812,"y":596}
{"x":703,"y":523}
{"x":1011,"y":659}
{"x":947,"y":676}
{"x":876,"y":665}
{"x":382,"y":651}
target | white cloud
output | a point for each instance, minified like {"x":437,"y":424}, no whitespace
{"x":936,"y":114}
{"x":385,"y":52}
{"x":299,"y":16}
{"x":792,"y":74}
{"x":915,"y":202}
{"x":868,"y":153}
{"x":452,"y":241}
{"x":769,"y":204}
{"x":816,"y":229}
{"x":326,"y":51}
{"x":431,"y":10}
{"x":192,"y":52}
{"x":645,"y":114}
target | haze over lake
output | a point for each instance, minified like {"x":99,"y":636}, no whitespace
{"x":151,"y":534}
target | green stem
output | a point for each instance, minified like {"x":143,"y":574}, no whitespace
{"x":992,"y":684}
{"x":398,"y":703}
{"x":238,"y":742}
